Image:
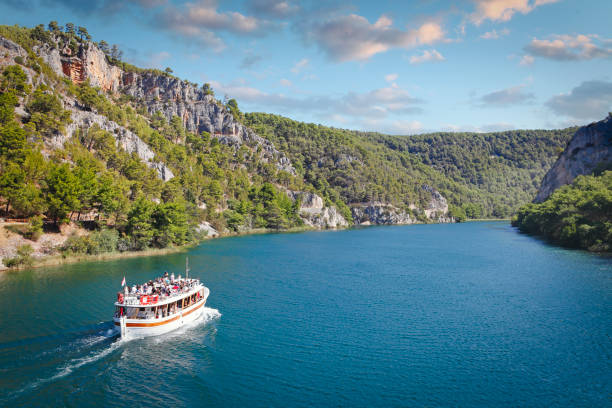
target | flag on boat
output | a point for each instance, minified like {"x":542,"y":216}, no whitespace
{"x":123,"y":281}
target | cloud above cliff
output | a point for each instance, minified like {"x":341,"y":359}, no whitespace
{"x":201,"y":21}
{"x":591,"y":100}
{"x":506,"y":97}
{"x":427,"y":56}
{"x":570,"y":48}
{"x":274,"y":8}
{"x":352,"y":37}
{"x":377,"y":103}
{"x":503,"y":10}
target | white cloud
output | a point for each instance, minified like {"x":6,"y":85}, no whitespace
{"x":494,"y":34}
{"x":503,"y":10}
{"x":570,"y":48}
{"x":274,"y":8}
{"x":285,"y":82}
{"x":526,"y":60}
{"x":199,"y":21}
{"x":590,"y":100}
{"x":391,"y":77}
{"x":375,"y":104}
{"x":352,"y":37}
{"x":249,"y":61}
{"x":506,"y":97}
{"x":300,"y":65}
{"x":427,"y":56}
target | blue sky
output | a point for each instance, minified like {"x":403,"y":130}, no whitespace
{"x":398,"y":67}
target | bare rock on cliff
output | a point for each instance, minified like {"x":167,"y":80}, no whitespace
{"x":437,"y":207}
{"x":165,"y":94}
{"x":379,"y":214}
{"x":315,"y":213}
{"x":124,"y":138}
{"x":590,"y":149}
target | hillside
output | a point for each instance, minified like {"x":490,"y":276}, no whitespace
{"x":137,"y":158}
{"x":481,"y":174}
{"x":576,"y":215}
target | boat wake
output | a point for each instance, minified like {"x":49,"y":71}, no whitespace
{"x":90,"y":345}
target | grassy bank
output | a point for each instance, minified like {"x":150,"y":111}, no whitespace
{"x":63,"y":259}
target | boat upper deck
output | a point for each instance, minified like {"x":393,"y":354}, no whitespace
{"x":162,"y":290}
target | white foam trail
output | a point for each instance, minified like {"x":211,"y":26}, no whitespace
{"x":70,"y":367}
{"x":208,"y":314}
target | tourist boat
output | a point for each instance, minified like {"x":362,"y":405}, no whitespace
{"x":159,"y":306}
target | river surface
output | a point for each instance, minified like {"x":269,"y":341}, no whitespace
{"x":469,"y":314}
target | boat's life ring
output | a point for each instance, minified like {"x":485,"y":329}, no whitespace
{"x":144,"y":299}
{"x":119,"y":297}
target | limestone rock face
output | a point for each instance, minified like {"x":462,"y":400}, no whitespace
{"x":128,"y":140}
{"x":164,"y":94}
{"x":437,"y":208}
{"x":380,"y":214}
{"x":314,"y":212}
{"x":208,"y":229}
{"x":589,"y":149}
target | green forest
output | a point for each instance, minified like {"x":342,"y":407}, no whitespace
{"x":575,"y":216}
{"x":483,"y":175}
{"x":91,"y":180}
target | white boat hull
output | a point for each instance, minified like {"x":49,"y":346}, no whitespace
{"x":136,"y":328}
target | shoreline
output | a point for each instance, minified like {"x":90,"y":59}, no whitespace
{"x":59,"y":259}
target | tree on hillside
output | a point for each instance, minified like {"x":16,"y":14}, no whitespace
{"x":62,"y":193}
{"x":11,"y":181}
{"x":53,"y":27}
{"x":139,"y":223}
{"x":232,"y":106}
{"x":168,"y":70}
{"x":104,"y":47}
{"x":208,"y":89}
{"x":13,"y":78}
{"x":13,"y":144}
{"x":82,"y":32}
{"x":70,"y":28}
{"x":115,"y":53}
{"x":39,"y":33}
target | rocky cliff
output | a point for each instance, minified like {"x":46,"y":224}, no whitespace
{"x":436,"y":210}
{"x":165,"y":94}
{"x":588,"y":151}
{"x":199,"y":111}
{"x":315,"y":213}
{"x":81,"y":119}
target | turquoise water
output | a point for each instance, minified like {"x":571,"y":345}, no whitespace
{"x":429,"y":315}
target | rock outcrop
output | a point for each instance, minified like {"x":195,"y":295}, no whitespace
{"x":83,"y":119}
{"x":380,"y":214}
{"x":315,"y":213}
{"x":589,"y":150}
{"x":436,"y":210}
{"x":124,"y":138}
{"x":207,"y":229}
{"x":437,"y":207}
{"x":165,"y":94}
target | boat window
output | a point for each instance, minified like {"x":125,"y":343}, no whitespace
{"x":132,"y":312}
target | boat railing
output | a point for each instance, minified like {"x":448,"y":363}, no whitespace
{"x":134,"y":299}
